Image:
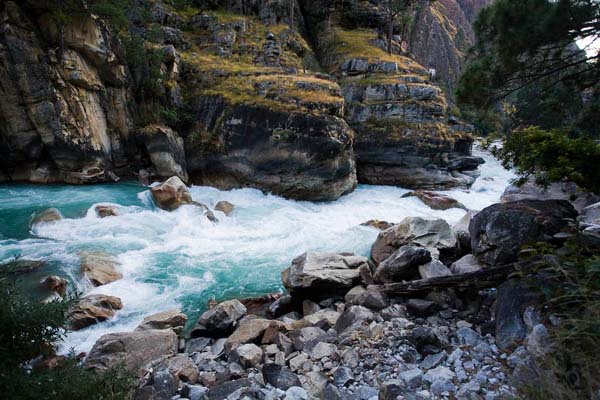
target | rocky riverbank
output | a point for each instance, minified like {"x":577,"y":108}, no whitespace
{"x":435,"y":312}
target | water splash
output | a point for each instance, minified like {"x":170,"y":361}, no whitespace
{"x":180,"y":259}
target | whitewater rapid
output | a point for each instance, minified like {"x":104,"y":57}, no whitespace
{"x":180,"y":259}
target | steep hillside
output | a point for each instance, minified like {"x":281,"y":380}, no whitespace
{"x":221,"y":96}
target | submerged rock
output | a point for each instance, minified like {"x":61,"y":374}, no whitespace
{"x":55,"y":284}
{"x":171,"y":194}
{"x":323,"y":274}
{"x":93,"y":309}
{"x":99,"y":267}
{"x":103,"y":211}
{"x":134,"y":350}
{"x":47,"y":215}
{"x":435,"y":201}
{"x":225,"y":207}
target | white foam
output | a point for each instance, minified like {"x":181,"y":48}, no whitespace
{"x":169,"y":259}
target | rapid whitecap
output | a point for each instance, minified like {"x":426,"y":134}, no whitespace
{"x":180,"y":259}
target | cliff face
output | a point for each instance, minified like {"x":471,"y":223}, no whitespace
{"x":441,"y":34}
{"x":61,"y":120}
{"x":241,"y":93}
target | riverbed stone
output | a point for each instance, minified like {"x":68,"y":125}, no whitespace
{"x":99,"y":267}
{"x":280,"y":376}
{"x":248,"y":355}
{"x":352,"y":318}
{"x":182,"y":366}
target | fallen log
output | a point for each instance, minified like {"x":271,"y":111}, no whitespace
{"x":484,"y":278}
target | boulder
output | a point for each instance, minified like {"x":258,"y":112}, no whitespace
{"x":225,"y":207}
{"x":322,"y":274}
{"x":435,"y":201}
{"x":170,"y":319}
{"x":134,"y":350}
{"x":93,"y":309}
{"x":568,"y":191}
{"x":99,"y":267}
{"x":402,"y":264}
{"x":433,"y":269}
{"x":499,"y":231}
{"x":55,"y":284}
{"x":220,"y":320}
{"x":171,"y":194}
{"x":421,"y":307}
{"x":468,"y":263}
{"x":103,"y":211}
{"x":435,"y":235}
{"x":47,"y":215}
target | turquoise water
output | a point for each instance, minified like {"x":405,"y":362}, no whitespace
{"x":180,"y":259}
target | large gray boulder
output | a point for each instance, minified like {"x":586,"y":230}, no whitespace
{"x":220,"y":320}
{"x":568,"y":191}
{"x":134,"y":350}
{"x":323,"y":274}
{"x":436,"y":235}
{"x":402,"y":264}
{"x":499,"y":231}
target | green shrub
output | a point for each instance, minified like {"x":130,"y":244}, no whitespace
{"x":30,"y":329}
{"x":552,"y":156}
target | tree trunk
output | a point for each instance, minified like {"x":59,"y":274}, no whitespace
{"x":484,"y":278}
{"x":390,"y":33}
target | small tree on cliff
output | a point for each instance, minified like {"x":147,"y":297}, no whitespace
{"x":395,"y":10}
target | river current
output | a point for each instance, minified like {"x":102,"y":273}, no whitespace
{"x":180,"y":259}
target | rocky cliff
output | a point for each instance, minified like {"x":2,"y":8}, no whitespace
{"x":226,"y":96}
